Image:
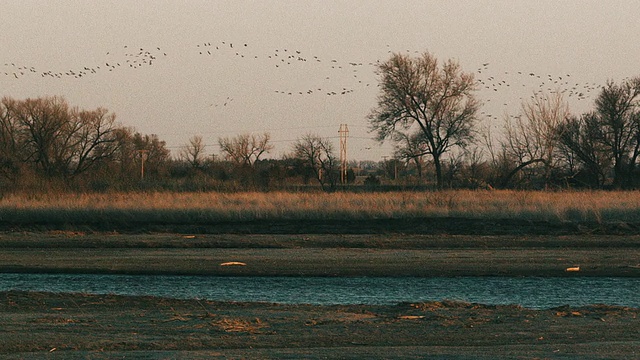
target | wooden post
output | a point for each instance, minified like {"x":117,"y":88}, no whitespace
{"x":143,"y":156}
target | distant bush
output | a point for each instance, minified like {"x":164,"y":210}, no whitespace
{"x":371,"y":180}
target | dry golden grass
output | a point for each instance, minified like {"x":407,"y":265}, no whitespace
{"x":239,"y":325}
{"x":596,"y":206}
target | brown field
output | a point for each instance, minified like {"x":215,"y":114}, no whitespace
{"x":394,"y":234}
{"x":203,"y":208}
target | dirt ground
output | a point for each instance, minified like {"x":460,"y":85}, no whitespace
{"x":39,"y":325}
{"x":321,"y":254}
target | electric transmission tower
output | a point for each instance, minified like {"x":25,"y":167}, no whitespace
{"x":344,"y":134}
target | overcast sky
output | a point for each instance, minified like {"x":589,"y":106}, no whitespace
{"x":222,"y":68}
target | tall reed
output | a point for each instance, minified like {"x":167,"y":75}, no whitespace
{"x":598,"y":206}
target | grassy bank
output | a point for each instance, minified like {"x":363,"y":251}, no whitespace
{"x":597,"y":206}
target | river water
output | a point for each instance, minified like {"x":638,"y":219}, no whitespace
{"x":529,"y":292}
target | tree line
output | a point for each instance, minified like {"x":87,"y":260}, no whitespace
{"x":426,"y":108}
{"x":47,"y":144}
{"x":429,"y":110}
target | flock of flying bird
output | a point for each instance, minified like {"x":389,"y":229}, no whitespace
{"x":340,"y":77}
{"x":546,"y":83}
{"x":282,"y":58}
{"x":132,"y":59}
{"x":529,"y":85}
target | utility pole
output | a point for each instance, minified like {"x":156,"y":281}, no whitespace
{"x":344,"y":134}
{"x":143,"y":156}
{"x":395,"y":169}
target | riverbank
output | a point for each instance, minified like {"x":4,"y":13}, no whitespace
{"x":42,"y":325}
{"x":39,"y":325}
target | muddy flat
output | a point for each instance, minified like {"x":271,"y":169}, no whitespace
{"x":321,"y":254}
{"x":38,"y":325}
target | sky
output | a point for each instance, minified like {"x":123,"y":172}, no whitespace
{"x":219,"y":68}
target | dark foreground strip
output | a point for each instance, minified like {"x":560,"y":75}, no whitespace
{"x":434,"y":226}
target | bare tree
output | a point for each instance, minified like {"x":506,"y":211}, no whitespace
{"x":582,"y":149}
{"x":618,"y":109}
{"x":245,"y":149}
{"x":10,"y":158}
{"x":477,"y":168}
{"x":411,"y":148}
{"x":317,"y":153}
{"x":124,"y":157}
{"x":59,"y":140}
{"x":154,"y":150}
{"x":95,"y":139}
{"x":607,"y":138}
{"x":499,"y":159}
{"x":532,"y":137}
{"x":419,"y":95}
{"x":193,"y":153}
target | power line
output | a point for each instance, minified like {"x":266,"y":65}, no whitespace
{"x":252,"y":131}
